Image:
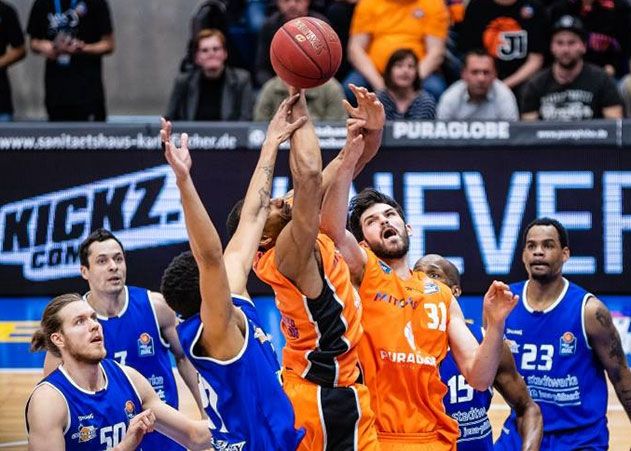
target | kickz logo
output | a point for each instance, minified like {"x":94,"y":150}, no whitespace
{"x":43,"y":233}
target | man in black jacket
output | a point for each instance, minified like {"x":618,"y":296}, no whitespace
{"x":211,"y":91}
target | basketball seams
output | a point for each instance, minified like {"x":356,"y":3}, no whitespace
{"x":326,"y":41}
{"x":290,"y":71}
{"x":305,"y":53}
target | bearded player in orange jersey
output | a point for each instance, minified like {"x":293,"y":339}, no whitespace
{"x":409,"y":322}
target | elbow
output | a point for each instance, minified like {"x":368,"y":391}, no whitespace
{"x":479,"y":382}
{"x":308,"y":179}
{"x":199,"y":438}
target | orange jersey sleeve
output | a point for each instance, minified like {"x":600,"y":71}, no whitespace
{"x":405,"y":339}
{"x":321,"y":334}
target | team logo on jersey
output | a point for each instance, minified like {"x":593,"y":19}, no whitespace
{"x":261,"y":336}
{"x":512,"y":345}
{"x":145,"y":345}
{"x":85,"y":433}
{"x":130,"y":409}
{"x":430,"y":288}
{"x":385,"y":268}
{"x":567,"y":344}
{"x":418,"y":13}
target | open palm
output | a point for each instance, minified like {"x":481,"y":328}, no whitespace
{"x":179,"y":158}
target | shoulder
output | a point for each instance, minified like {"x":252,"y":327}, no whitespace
{"x":454,"y":92}
{"x":502,"y":90}
{"x":540,"y":79}
{"x":48,"y":404}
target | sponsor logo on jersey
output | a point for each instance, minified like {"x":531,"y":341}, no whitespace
{"x":395,"y":301}
{"x":385,"y":268}
{"x":130,"y":409}
{"x":42,"y":234}
{"x":145,"y":345}
{"x":512,"y":345}
{"x":85,"y":433}
{"x":567,"y":344}
{"x":261,"y":336}
{"x":224,"y":445}
{"x":430,"y":288}
{"x":514,"y":331}
{"x":415,"y":358}
{"x":89,"y":416}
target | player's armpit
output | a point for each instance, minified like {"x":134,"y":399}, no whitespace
{"x":606,"y":344}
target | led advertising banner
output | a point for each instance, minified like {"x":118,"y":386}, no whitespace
{"x":469,"y":203}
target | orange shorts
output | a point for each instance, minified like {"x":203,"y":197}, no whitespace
{"x":337,"y":418}
{"x":425,"y":441}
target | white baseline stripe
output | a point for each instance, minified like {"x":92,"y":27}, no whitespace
{"x":10,"y":444}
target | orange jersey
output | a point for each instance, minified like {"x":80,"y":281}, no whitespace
{"x":322,"y":333}
{"x":405,"y":339}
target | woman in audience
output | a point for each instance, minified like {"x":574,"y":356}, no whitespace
{"x":403,"y":97}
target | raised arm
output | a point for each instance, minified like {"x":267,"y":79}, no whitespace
{"x":605,"y":342}
{"x":514,"y":390}
{"x":241,"y":248}
{"x":479,"y":363}
{"x":295,"y":246}
{"x":335,"y":205}
{"x":222,"y":337}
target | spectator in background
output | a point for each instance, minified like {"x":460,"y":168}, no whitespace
{"x":514,"y":32}
{"x":11,"y":51}
{"x":403,"y":97}
{"x":479,"y":95}
{"x":608,"y":24}
{"x":571,"y":89}
{"x":380,"y":27}
{"x":211,"y":91}
{"x":625,"y":92}
{"x":340,"y":15}
{"x":324,"y":101}
{"x":72,"y":36}
{"x":287,"y":10}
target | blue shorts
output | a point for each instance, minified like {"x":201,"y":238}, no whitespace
{"x":592,"y":437}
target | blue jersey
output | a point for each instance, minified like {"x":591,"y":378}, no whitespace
{"x":563,"y":375}
{"x":97,"y":420}
{"x":466,"y":405}
{"x":246,"y":406}
{"x":133,"y":338}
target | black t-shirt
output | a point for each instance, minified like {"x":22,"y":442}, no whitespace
{"x":508,"y":33}
{"x":10,"y":35}
{"x":583,"y":98}
{"x":210,"y":93}
{"x":77,"y":81}
{"x":608,"y":24}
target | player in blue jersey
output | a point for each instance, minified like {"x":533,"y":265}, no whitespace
{"x":469,"y":406}
{"x":138,"y":325}
{"x":88,"y":403}
{"x":563,"y":341}
{"x":221,"y":333}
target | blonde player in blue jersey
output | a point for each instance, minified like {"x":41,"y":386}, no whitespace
{"x":469,"y":406}
{"x":563,"y":341}
{"x":89,"y":403}
{"x":221,"y":333}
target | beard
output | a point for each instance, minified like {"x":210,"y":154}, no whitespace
{"x":393,"y":252}
{"x":86,"y":354}
{"x":569,"y":65}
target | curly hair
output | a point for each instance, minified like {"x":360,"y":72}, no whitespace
{"x":362,"y":202}
{"x":180,"y":285}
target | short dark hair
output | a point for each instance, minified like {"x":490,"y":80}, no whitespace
{"x":476,"y":52}
{"x":232,"y":222}
{"x":99,"y":235}
{"x":400,"y":55}
{"x":180,"y":285}
{"x":51,"y":323}
{"x":563,"y":237}
{"x":362,"y":202}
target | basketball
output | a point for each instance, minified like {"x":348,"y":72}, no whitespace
{"x":305,"y":52}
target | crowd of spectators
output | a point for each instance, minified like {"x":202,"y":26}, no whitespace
{"x":426,"y":59}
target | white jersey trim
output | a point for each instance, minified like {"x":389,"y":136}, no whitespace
{"x":68,"y":420}
{"x":217,"y":361}
{"x":130,"y":381}
{"x":583,"y":305}
{"x":243,"y":298}
{"x":558,"y":300}
{"x":121,"y":313}
{"x":155,"y":318}
{"x":83,"y":390}
{"x":319,"y":336}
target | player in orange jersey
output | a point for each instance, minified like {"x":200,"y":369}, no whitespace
{"x":320,"y":310}
{"x":409,"y":322}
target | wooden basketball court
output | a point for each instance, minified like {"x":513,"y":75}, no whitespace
{"x":15,"y":388}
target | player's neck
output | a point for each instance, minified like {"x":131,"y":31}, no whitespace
{"x":88,"y":376}
{"x":107,"y":304}
{"x":400,"y":267}
{"x":542,"y":294}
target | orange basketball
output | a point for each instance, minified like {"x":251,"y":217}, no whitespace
{"x":305,"y":52}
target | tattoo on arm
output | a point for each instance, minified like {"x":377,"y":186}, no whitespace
{"x":264,"y":191}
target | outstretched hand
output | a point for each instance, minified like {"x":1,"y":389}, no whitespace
{"x":499,"y":301}
{"x":280,"y":128}
{"x":369,"y":108}
{"x":354,"y":146}
{"x":178,"y":158}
